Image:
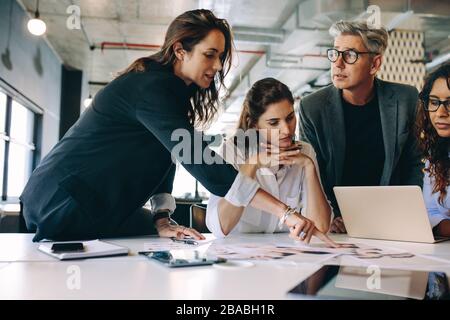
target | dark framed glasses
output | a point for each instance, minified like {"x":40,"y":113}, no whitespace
{"x":349,"y":56}
{"x":433,"y":104}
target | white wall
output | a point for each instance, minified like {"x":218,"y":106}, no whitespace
{"x":36,"y":70}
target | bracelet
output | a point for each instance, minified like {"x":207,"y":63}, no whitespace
{"x":286,"y":214}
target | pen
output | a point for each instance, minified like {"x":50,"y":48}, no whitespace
{"x":186,"y":241}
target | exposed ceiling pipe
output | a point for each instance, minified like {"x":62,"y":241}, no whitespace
{"x":399,"y":19}
{"x":437,"y":61}
{"x":98,"y":83}
{"x":127,"y":45}
{"x":291,"y":61}
{"x":273,"y":60}
{"x":152,"y":47}
{"x":296,"y":20}
{"x":276,"y":33}
{"x":266,"y":36}
{"x":298,"y":25}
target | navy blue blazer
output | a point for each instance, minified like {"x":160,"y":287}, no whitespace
{"x":116,"y":156}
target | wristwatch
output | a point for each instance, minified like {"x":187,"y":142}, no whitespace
{"x":160,"y":215}
{"x":162,"y":205}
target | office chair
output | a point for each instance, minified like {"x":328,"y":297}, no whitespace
{"x":198,"y":218}
{"x":22,"y":225}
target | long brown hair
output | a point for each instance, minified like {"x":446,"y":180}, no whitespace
{"x":434,"y":148}
{"x":189,"y":29}
{"x":263,"y":93}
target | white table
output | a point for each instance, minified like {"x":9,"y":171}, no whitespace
{"x":26,"y":273}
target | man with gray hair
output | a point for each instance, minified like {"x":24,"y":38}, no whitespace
{"x":361,"y":126}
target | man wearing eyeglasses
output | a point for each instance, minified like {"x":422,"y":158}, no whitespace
{"x":361,"y":126}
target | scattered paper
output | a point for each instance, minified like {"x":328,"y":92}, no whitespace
{"x":266,"y":252}
{"x":167,"y":244}
{"x":297,"y":252}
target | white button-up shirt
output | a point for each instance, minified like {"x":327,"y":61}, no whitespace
{"x":288,"y":184}
{"x":436,"y":211}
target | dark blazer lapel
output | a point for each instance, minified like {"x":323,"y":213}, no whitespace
{"x":336,"y":134}
{"x":388,"y":114}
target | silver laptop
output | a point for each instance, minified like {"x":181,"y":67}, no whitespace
{"x":387,"y":212}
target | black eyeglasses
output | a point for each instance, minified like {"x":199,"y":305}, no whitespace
{"x":433,"y":105}
{"x":350,"y":56}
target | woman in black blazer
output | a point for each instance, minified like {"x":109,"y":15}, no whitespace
{"x":95,"y":181}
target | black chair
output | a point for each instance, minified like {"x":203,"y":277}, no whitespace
{"x":181,"y":213}
{"x":11,"y":219}
{"x":22,"y":225}
{"x":198,"y":218}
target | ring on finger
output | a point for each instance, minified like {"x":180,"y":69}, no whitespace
{"x":302,"y":235}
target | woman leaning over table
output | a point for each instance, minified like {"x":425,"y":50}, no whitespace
{"x":95,"y":181}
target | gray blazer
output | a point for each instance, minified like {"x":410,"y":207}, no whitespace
{"x":322,"y":125}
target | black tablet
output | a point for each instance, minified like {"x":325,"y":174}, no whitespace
{"x":181,"y":258}
{"x":372,"y":283}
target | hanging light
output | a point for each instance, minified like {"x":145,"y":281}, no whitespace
{"x":87,"y":102}
{"x":36,"y":26}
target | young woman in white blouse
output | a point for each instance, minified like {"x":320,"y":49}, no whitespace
{"x":433,"y":130}
{"x":295,"y":181}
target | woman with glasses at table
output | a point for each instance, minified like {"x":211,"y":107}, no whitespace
{"x":433,"y":132}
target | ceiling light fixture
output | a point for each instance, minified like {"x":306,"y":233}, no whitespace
{"x":87,"y":102}
{"x":36,"y":26}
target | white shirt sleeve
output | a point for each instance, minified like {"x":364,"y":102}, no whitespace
{"x":162,"y":201}
{"x":212,"y":216}
{"x":242,"y":191}
{"x":434,"y":214}
{"x":243,"y":188}
{"x":240,"y":194}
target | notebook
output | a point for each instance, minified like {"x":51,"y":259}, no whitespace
{"x":92,"y":249}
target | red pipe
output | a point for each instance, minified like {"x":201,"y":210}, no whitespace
{"x":156,"y":46}
{"x":313,"y":55}
{"x":129,"y":45}
{"x":257,"y":52}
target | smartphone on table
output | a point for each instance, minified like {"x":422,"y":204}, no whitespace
{"x":181,"y":258}
{"x":67,"y":247}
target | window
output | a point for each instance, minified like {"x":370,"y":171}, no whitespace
{"x":17,"y":146}
{"x":184,"y":185}
{"x":3,"y":137}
